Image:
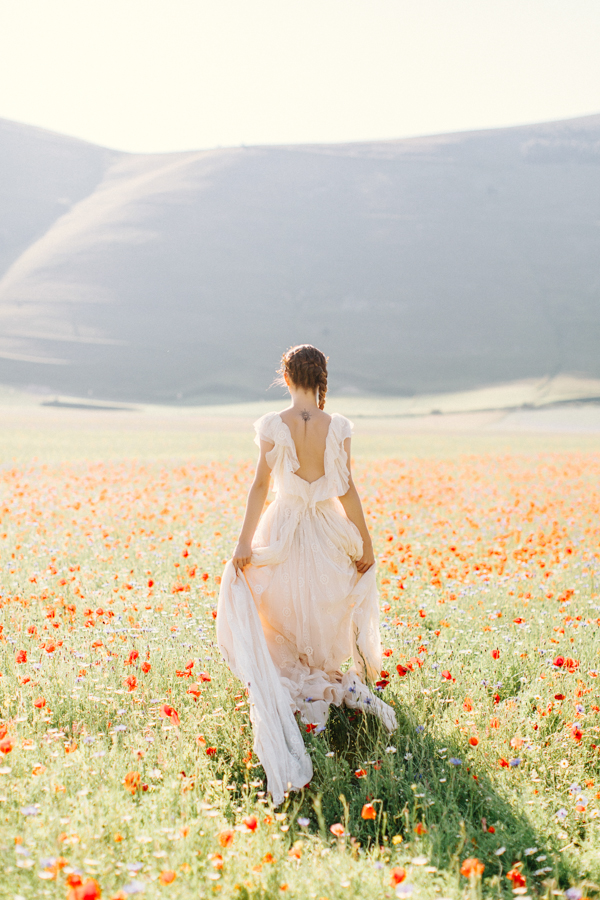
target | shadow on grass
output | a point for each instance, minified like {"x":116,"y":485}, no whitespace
{"x":415,"y":784}
{"x":418,"y":786}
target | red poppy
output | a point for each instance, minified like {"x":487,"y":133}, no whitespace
{"x":195,"y":691}
{"x":132,"y":782}
{"x":517,"y":879}
{"x":168,"y":712}
{"x":472,"y":867}
{"x":226,"y":837}
{"x":82,"y":890}
{"x":397,"y":875}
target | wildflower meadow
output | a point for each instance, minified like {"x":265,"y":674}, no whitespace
{"x":126,"y":763}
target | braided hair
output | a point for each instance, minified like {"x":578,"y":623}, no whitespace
{"x":307,"y":368}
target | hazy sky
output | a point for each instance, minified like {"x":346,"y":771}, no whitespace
{"x":151,"y":75}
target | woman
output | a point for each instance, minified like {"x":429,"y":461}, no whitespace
{"x":299,"y":596}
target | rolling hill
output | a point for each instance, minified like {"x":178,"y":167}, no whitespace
{"x":432,"y":264}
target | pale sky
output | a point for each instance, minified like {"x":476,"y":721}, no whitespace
{"x":158,"y":75}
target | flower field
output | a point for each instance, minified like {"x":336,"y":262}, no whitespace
{"x":126,"y":763}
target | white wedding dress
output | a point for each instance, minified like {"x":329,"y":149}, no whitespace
{"x":287,"y":624}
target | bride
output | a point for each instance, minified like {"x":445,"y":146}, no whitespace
{"x":299,"y":596}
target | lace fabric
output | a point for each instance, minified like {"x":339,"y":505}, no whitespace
{"x":301,"y":609}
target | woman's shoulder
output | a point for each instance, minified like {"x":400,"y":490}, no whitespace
{"x":342,"y":426}
{"x":267,"y":427}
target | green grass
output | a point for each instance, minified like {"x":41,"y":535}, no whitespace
{"x":48,"y":435}
{"x":86,"y":534}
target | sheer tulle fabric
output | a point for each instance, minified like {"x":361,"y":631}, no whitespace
{"x":286,"y":626}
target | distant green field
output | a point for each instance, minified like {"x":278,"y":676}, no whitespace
{"x":535,"y":393}
{"x":473,"y":422}
{"x":531,"y":392}
{"x":50,"y":435}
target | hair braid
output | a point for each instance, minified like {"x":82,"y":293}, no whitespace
{"x":307,"y":368}
{"x":322,"y":387}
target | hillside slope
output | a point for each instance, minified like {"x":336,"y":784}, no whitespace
{"x":42,"y":175}
{"x":441,"y":263}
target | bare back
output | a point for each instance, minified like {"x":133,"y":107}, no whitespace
{"x":309,"y":429}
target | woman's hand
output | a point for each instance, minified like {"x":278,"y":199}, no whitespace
{"x":367,"y":559}
{"x":241,"y":556}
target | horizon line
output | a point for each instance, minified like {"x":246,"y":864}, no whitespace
{"x":284,"y":144}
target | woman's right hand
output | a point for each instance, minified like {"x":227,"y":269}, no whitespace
{"x":241,"y":556}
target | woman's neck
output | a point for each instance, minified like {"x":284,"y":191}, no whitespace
{"x":303,"y":399}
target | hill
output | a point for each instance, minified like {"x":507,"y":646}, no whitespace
{"x":42,"y":175}
{"x":432,"y":264}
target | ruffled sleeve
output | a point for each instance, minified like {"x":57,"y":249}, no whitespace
{"x":336,"y":465}
{"x":281,"y":458}
{"x":344,"y":427}
{"x":265,"y":428}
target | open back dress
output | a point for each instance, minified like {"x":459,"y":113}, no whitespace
{"x":287,"y":624}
